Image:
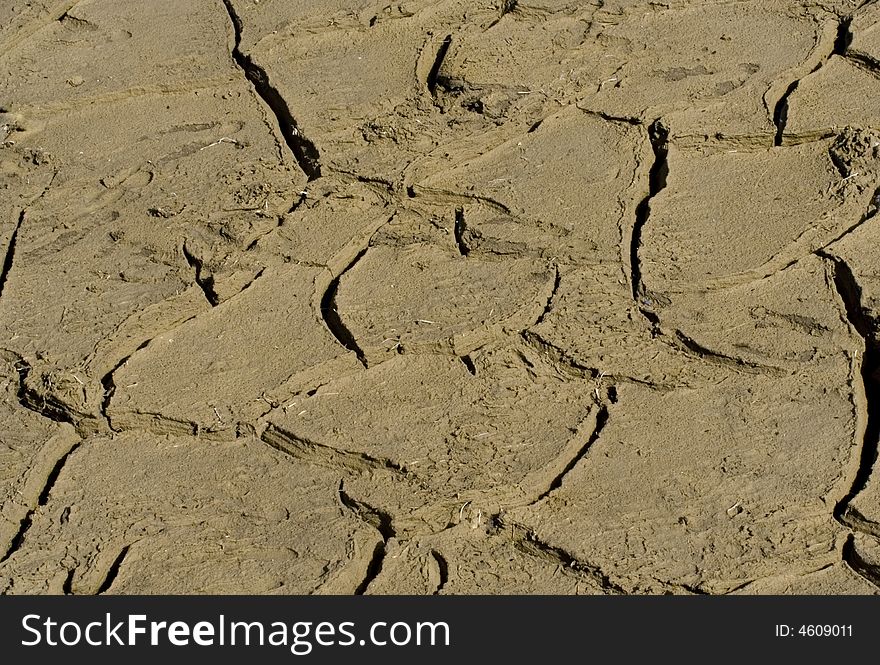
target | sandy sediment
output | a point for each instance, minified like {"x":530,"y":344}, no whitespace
{"x":533,"y":296}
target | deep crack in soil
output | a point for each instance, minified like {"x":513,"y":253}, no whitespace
{"x":10,"y":252}
{"x":851,"y":295}
{"x":380,"y":521}
{"x":556,"y":483}
{"x":303,"y":150}
{"x":42,"y":500}
{"x":331,"y":317}
{"x":658,"y":135}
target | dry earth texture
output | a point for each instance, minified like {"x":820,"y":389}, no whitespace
{"x":456,"y":296}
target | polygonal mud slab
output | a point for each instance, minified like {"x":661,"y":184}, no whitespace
{"x":840,"y":94}
{"x":104,"y":51}
{"x":436,"y":300}
{"x":573,"y":175}
{"x":779,"y":323}
{"x":725,"y":484}
{"x":725,"y":218}
{"x":223,"y":367}
{"x":447,"y":437}
{"x":150,"y":514}
{"x":720,"y":55}
{"x":425,"y":115}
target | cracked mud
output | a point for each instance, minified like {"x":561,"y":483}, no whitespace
{"x":546,"y":296}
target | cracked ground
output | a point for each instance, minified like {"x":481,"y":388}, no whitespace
{"x":532,"y":296}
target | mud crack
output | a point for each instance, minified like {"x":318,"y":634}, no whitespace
{"x":10,"y":252}
{"x":616,"y":119}
{"x":659,"y":136}
{"x":113,"y":571}
{"x":527,"y":542}
{"x":442,"y":570}
{"x":458,"y":230}
{"x":842,"y":41}
{"x":865,"y":62}
{"x":109,"y":385}
{"x":780,"y":112}
{"x":692,"y":347}
{"x":548,"y":307}
{"x":330,"y":313}
{"x":304,"y":151}
{"x":379,"y":520}
{"x":204,"y":282}
{"x":468,"y":363}
{"x":873,"y":209}
{"x":300,"y":448}
{"x":850,"y":293}
{"x":556,"y":482}
{"x":558,"y":357}
{"x":42,"y":499}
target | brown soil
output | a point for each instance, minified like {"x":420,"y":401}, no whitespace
{"x":520,"y":296}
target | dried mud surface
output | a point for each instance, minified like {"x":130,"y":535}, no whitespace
{"x":520,"y":296}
